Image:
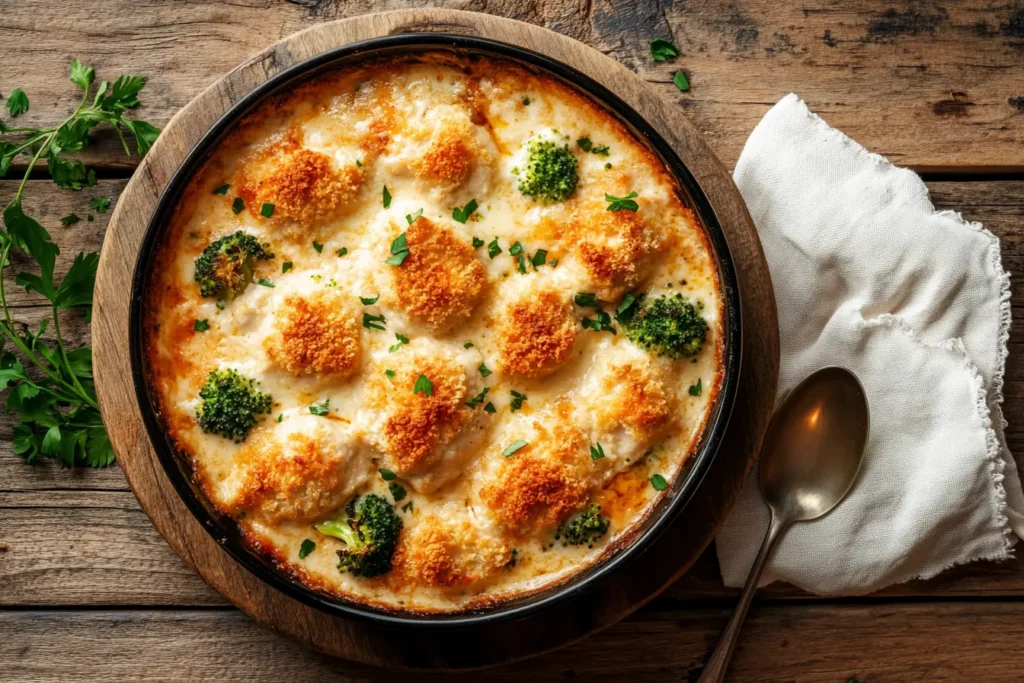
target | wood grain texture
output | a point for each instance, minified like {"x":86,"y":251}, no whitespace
{"x":805,"y":643}
{"x":606,"y":601}
{"x":932,"y":85}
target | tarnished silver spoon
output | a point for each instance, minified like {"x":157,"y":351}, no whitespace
{"x":809,"y":461}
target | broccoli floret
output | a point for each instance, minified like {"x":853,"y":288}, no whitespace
{"x":585,"y":528}
{"x":550,"y":172}
{"x":224,"y":269}
{"x":670,"y":326}
{"x":369,"y":529}
{"x":230,"y":404}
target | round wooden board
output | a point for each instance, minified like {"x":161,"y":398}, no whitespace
{"x":625,"y":590}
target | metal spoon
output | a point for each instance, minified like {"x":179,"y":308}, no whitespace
{"x":810,"y":459}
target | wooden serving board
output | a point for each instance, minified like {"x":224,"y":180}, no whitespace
{"x":617,"y":596}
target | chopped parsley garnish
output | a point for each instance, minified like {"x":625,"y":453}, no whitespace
{"x":423,"y":386}
{"x":477,"y":242}
{"x":265,"y":282}
{"x":342,"y":251}
{"x":390,"y":374}
{"x":603,"y":323}
{"x":601,"y":150}
{"x":322,"y":408}
{"x":478,"y":399}
{"x":70,"y":219}
{"x":516,"y":248}
{"x":659,"y":483}
{"x":373,"y":322}
{"x":280,"y":417}
{"x":626,"y":309}
{"x":369,"y":301}
{"x":596,"y":451}
{"x":267,"y":210}
{"x":539,"y":258}
{"x":492,"y":248}
{"x":306,"y":548}
{"x":622,"y":203}
{"x":587,"y":146}
{"x":238,"y":205}
{"x":397,"y":491}
{"x":286,"y":266}
{"x":696,"y":389}
{"x":526,"y":101}
{"x":223,"y":189}
{"x":462,"y":214}
{"x":681,"y":81}
{"x":587,"y":300}
{"x":516,"y":445}
{"x":407,"y":507}
{"x":410,"y":218}
{"x":387,"y":475}
{"x":319,"y":247}
{"x":484,"y":370}
{"x":387,"y":197}
{"x":201,"y":325}
{"x":521,"y":263}
{"x":399,"y":251}
{"x":662,"y":50}
{"x":607,"y":165}
{"x":100,"y":204}
{"x":517,"y":400}
{"x":489,"y":408}
{"x":467,"y":345}
{"x":402,"y":340}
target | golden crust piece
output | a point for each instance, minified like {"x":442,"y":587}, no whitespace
{"x":303,"y":185}
{"x":633,"y":396}
{"x":416,"y":424}
{"x":315,"y":335}
{"x":536,"y":333}
{"x":615,"y":247}
{"x":441,"y":280}
{"x":299,"y":479}
{"x":437,"y":555}
{"x":545,"y":481}
{"x":451,"y":156}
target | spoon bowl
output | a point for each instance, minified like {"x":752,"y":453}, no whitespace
{"x":809,"y":461}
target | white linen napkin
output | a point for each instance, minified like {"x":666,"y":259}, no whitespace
{"x":869,"y":276}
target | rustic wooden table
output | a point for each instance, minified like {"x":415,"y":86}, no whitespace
{"x":89,"y":591}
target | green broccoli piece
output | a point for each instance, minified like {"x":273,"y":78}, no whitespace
{"x":224,"y":269}
{"x":550,"y":173}
{"x":585,"y":528}
{"x":369,"y":529}
{"x":670,"y":326}
{"x":230,"y":404}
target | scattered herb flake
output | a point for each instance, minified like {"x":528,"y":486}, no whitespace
{"x":662,"y":50}
{"x":407,"y":507}
{"x":467,"y":345}
{"x":622,"y":203}
{"x":387,"y":197}
{"x":387,"y":475}
{"x":492,"y":248}
{"x":626,"y":309}
{"x":462,"y":214}
{"x":587,"y":300}
{"x":390,"y":374}
{"x":596,"y":451}
{"x":201,"y":325}
{"x":223,"y":189}
{"x":539,"y":257}
{"x":515,"y":249}
{"x":515,"y":446}
{"x":373,"y":322}
{"x":306,"y":548}
{"x":99,"y":204}
{"x":696,"y":389}
{"x":398,"y":491}
{"x":681,"y":81}
{"x":70,"y":220}
{"x":484,"y":370}
{"x":658,"y":482}
{"x":267,"y":210}
{"x":489,"y":408}
{"x":342,"y":251}
{"x":526,"y":101}
{"x":585,"y":144}
{"x":603,"y":323}
{"x":478,"y":399}
{"x":399,"y":251}
{"x":402,"y":340}
{"x":286,"y":266}
{"x":265,"y":282}
{"x":423,"y":386}
{"x":238,"y":205}
{"x":517,"y":400}
{"x":369,"y":301}
{"x":477,"y":242}
{"x":322,"y":408}
{"x":410,"y":218}
{"x":319,"y":247}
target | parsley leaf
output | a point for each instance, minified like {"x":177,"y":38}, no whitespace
{"x":398,"y":491}
{"x":423,"y":386}
{"x":585,"y":144}
{"x":596,"y":451}
{"x":658,"y":482}
{"x":492,"y":248}
{"x":407,"y":507}
{"x":17,"y":102}
{"x":662,"y":50}
{"x":603,"y":323}
{"x":223,"y":189}
{"x":387,"y":475}
{"x":587,"y":300}
{"x":369,"y":301}
{"x":513,"y":447}
{"x":478,"y":399}
{"x":626,"y":309}
{"x":373,"y":322}
{"x":321,"y":408}
{"x":681,"y":81}
{"x":100,"y":204}
{"x":306,"y":548}
{"x":342,"y":251}
{"x":237,"y":206}
{"x":477,"y":242}
{"x":319,"y":247}
{"x":386,"y":197}
{"x":517,"y":400}
{"x":539,"y":257}
{"x":622,"y":203}
{"x":399,"y":251}
{"x":70,"y":219}
{"x":410,"y":218}
{"x":696,"y":389}
{"x":286,"y":266}
{"x":489,"y":408}
{"x":484,"y":370}
{"x":201,"y":325}
{"x":267,"y":210}
{"x":402,"y":340}
{"x":462,"y":214}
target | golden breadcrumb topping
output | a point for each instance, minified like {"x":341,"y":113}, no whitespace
{"x":632,"y":395}
{"x":315,"y":335}
{"x":615,"y":247}
{"x":536,"y":333}
{"x":417,"y":423}
{"x":444,"y":554}
{"x":543,"y":482}
{"x":303,"y":185}
{"x":441,"y":280}
{"x":451,"y":155}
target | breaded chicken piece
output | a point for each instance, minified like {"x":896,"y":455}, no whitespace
{"x":446,"y":554}
{"x":536,"y":328}
{"x":315,"y":334}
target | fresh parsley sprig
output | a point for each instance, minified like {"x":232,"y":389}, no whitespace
{"x":50,"y":386}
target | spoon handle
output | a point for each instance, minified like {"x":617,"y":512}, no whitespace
{"x":714,"y":672}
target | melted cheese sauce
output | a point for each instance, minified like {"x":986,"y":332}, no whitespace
{"x":437,"y":132}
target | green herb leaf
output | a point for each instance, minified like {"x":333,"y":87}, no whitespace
{"x":585,"y":144}
{"x":267,"y":210}
{"x":484,"y":370}
{"x":265,"y":282}
{"x":587,"y":300}
{"x":17,"y":102}
{"x":99,"y":204}
{"x":238,"y":205}
{"x":373,"y":322}
{"x":201,"y":325}
{"x":521,"y":263}
{"x":223,"y":189}
{"x":515,"y":446}
{"x":493,"y":249}
{"x":626,"y":309}
{"x":369,"y":301}
{"x":286,"y":266}
{"x":478,"y":399}
{"x":390,"y":374}
{"x":402,"y":340}
{"x":70,"y":220}
{"x":681,"y":81}
{"x":539,"y":257}
{"x":306,"y":548}
{"x":526,"y":101}
{"x":467,"y":345}
{"x":399,"y":251}
{"x":662,"y":50}
{"x":82,"y":75}
{"x":622,"y":203}
{"x":410,"y":218}
{"x":407,"y":507}
{"x":658,"y":482}
{"x":516,"y":248}
{"x":603,"y":323}
{"x":387,"y":197}
{"x":477,"y":242}
{"x":462,"y":214}
{"x":423,"y":386}
{"x":321,"y":408}
{"x":397,"y":491}
{"x":489,"y":408}
{"x":517,"y":401}
{"x":387,"y":475}
{"x":696,"y":389}
{"x":319,"y":247}
{"x":342,"y":251}
{"x":596,"y":451}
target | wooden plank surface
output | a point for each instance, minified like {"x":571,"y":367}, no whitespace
{"x":668,"y":641}
{"x":930,"y":85}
